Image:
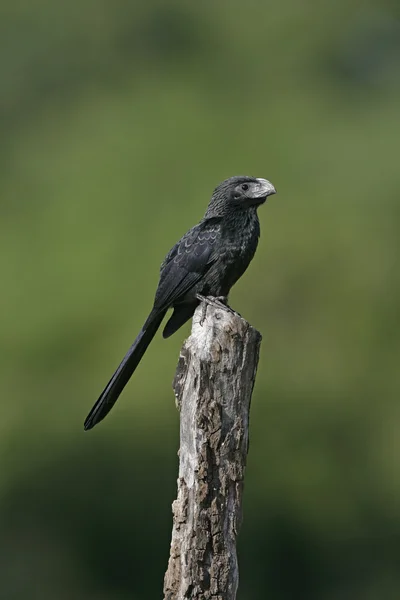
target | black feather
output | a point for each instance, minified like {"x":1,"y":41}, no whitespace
{"x":207,"y":260}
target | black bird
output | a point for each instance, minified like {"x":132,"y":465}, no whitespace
{"x":207,"y":261}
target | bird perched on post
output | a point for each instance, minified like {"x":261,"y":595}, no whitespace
{"x":207,"y":261}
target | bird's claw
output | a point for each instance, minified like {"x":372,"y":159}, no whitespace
{"x":217,"y":301}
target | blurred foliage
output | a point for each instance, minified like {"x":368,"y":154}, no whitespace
{"x":117,"y":120}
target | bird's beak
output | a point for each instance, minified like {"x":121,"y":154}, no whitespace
{"x":263,"y":188}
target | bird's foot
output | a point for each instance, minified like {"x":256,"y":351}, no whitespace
{"x":217,"y":301}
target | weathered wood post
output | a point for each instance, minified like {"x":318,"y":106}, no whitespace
{"x":213,"y":387}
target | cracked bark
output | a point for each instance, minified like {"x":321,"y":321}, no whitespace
{"x":213,"y":386}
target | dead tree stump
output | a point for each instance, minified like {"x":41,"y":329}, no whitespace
{"x":213,"y":386}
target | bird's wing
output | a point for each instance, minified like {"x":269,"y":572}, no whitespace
{"x":187,"y":262}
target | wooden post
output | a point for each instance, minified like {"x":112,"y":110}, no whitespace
{"x":213,"y":386}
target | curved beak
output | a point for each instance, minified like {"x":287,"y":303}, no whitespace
{"x":263,"y":188}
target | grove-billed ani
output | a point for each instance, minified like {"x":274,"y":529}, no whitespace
{"x":206,"y":261}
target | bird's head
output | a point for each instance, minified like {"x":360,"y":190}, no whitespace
{"x":239,"y":193}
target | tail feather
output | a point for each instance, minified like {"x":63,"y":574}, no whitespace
{"x":114,"y":387}
{"x":181,"y":314}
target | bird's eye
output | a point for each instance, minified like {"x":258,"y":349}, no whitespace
{"x":245,"y":187}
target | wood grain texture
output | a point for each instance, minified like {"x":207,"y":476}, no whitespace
{"x":213,"y":387}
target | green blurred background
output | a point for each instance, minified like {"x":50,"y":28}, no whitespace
{"x":117,"y":120}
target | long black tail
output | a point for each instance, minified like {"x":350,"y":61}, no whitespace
{"x":118,"y":381}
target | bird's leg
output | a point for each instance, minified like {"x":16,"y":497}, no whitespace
{"x":203,"y":310}
{"x":222,"y":302}
{"x":218,"y":301}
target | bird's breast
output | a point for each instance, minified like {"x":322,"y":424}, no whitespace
{"x":237,"y":248}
